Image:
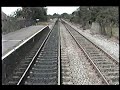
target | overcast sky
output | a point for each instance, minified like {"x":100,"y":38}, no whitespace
{"x":50,"y":10}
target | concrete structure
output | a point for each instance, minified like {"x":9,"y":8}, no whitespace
{"x":13,"y":39}
{"x":95,"y":28}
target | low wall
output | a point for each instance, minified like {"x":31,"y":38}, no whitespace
{"x":115,"y":31}
{"x":10,"y":62}
{"x":96,"y":28}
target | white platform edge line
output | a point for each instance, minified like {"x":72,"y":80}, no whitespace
{"x":21,"y":43}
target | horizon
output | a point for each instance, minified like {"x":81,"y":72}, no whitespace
{"x":50,"y":10}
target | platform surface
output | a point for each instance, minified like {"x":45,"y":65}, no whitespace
{"x":13,"y":39}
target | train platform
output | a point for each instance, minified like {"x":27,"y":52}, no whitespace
{"x":13,"y":39}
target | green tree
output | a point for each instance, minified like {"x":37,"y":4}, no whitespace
{"x":56,"y":15}
{"x":106,"y":16}
{"x":33,"y":13}
{"x":65,"y":16}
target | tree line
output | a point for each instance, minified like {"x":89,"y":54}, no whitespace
{"x":23,"y":18}
{"x":32,"y":13}
{"x":106,"y":16}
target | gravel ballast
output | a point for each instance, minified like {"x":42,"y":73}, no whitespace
{"x":81,"y":71}
{"x":110,"y":46}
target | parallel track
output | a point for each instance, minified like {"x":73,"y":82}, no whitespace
{"x":106,"y":67}
{"x":45,"y":70}
{"x":41,"y":66}
{"x":65,"y":63}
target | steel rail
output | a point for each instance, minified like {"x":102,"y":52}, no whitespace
{"x":59,"y":54}
{"x":21,"y":80}
{"x":24,"y":41}
{"x":117,"y":62}
{"x":79,"y":45}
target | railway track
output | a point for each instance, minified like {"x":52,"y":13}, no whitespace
{"x":106,"y":67}
{"x":41,"y":66}
{"x":65,"y":64}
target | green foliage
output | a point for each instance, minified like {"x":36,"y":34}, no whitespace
{"x":56,"y":15}
{"x":106,"y":16}
{"x":35,"y":13}
{"x":65,"y":16}
{"x":18,"y":13}
{"x":32,"y":13}
{"x":49,"y":17}
{"x":74,"y":17}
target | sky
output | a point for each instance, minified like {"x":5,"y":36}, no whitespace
{"x":9,"y":10}
{"x":50,"y":10}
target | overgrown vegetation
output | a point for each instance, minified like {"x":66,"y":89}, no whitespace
{"x":32,"y":13}
{"x":106,"y":16}
{"x":24,"y":17}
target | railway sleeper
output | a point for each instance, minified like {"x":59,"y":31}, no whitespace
{"x":65,"y":61}
{"x":50,"y":72}
{"x":49,"y":50}
{"x":103,"y":63}
{"x":112,"y":74}
{"x":25,"y":62}
{"x":109,"y":70}
{"x":66,"y":77}
{"x":49,"y":83}
{"x":114,"y":81}
{"x":44,"y":70}
{"x":46,"y":67}
{"x":94,"y":53}
{"x":20,"y":70}
{"x":99,"y":60}
{"x":46,"y":59}
{"x":46,"y":63}
{"x":39,"y":57}
{"x":108,"y":66}
{"x":111,"y":67}
{"x":64,"y":58}
{"x":14,"y":79}
{"x":65,"y":65}
{"x":41,"y":81}
{"x":41,"y":75}
{"x":66,"y":80}
{"x":67,"y":83}
{"x":64,"y":73}
{"x":12,"y":82}
{"x":48,"y":56}
{"x":35,"y":77}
